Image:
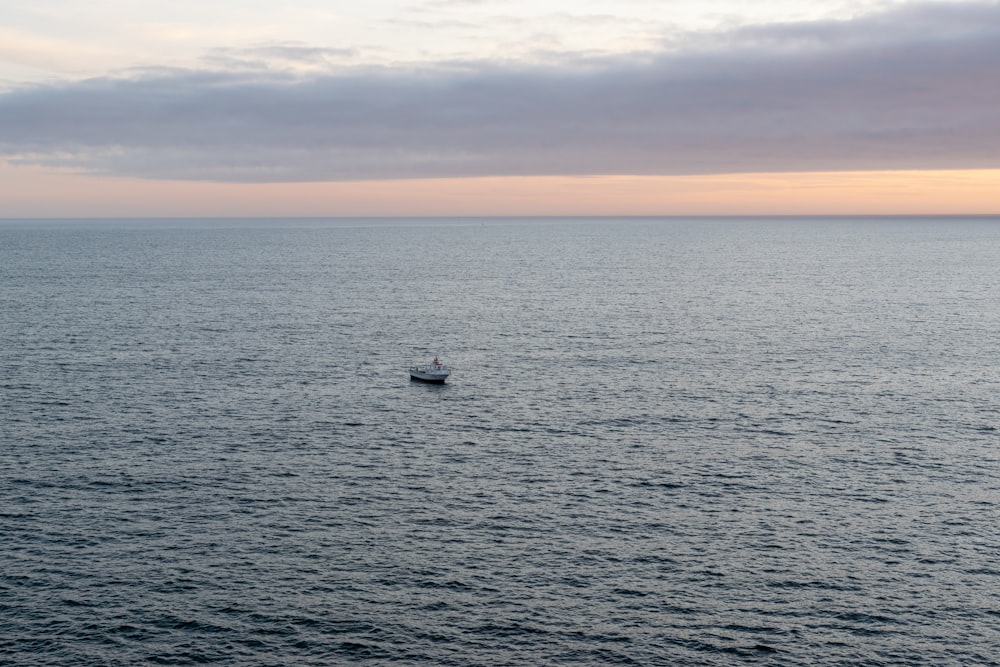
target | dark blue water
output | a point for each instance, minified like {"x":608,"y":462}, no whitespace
{"x":700,"y":442}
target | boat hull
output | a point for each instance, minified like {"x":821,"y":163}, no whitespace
{"x":432,"y":378}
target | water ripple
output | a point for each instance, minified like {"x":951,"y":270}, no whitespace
{"x":671,"y":442}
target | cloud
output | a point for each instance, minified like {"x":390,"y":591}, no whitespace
{"x":291,"y":56}
{"x":24,"y":49}
{"x":916,"y":88}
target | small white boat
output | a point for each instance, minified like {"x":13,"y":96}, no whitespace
{"x":432,"y":372}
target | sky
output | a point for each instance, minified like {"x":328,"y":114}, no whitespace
{"x":499,"y":107}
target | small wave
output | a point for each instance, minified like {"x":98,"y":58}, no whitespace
{"x":510,"y":630}
{"x":659,"y":485}
{"x":818,"y":585}
{"x":358,"y":651}
{"x":447,"y":585}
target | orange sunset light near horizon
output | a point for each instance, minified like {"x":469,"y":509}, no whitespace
{"x":31,"y":192}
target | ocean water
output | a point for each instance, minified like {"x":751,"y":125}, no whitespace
{"x":665,"y":442}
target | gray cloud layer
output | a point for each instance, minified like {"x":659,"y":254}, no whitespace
{"x":916,"y":88}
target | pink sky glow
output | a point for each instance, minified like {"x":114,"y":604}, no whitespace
{"x":37,"y":192}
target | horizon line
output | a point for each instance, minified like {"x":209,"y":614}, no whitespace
{"x":678,"y":216}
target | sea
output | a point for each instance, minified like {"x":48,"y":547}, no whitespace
{"x":677,"y":441}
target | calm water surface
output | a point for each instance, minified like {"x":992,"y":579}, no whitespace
{"x":702,"y":442}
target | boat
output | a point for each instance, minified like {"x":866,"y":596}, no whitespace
{"x":433,"y":372}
